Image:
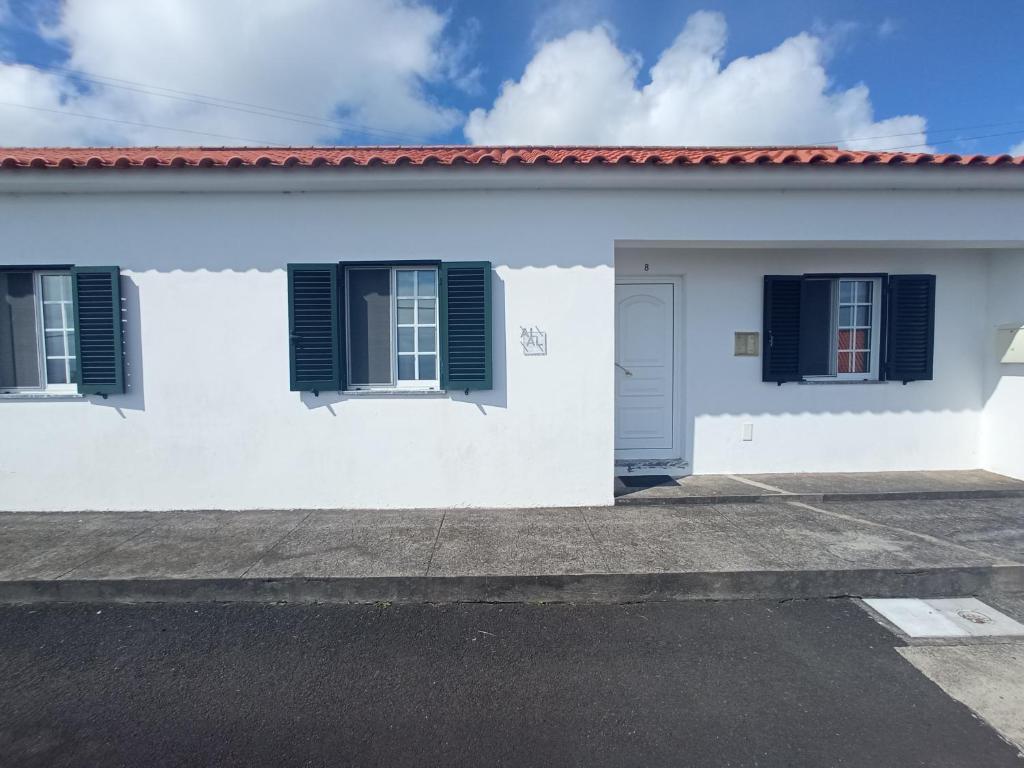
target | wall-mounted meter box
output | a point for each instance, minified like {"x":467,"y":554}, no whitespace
{"x":1011,"y":343}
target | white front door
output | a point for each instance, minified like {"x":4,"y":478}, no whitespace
{"x":645,"y":365}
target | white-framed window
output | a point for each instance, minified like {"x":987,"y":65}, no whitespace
{"x":37,"y":333}
{"x":856,"y":329}
{"x":391,"y":323}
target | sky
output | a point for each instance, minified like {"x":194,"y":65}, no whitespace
{"x":913,"y":75}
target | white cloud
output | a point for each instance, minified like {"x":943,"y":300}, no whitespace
{"x":559,"y":17}
{"x":888,"y":27}
{"x":1017,"y":149}
{"x":583,"y":89}
{"x":365,"y":62}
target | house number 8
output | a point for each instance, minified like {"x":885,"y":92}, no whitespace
{"x":647,"y":267}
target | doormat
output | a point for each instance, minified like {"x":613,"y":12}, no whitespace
{"x":646,"y":481}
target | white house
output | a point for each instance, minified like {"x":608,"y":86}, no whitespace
{"x":448,"y":326}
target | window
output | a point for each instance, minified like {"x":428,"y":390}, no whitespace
{"x":37,"y":331}
{"x":392,"y":325}
{"x":856,"y":318}
{"x":848,"y":328}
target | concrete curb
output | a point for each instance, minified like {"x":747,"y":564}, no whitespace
{"x":818,"y":498}
{"x":582,"y":588}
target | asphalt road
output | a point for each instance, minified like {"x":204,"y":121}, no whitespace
{"x":670,"y":684}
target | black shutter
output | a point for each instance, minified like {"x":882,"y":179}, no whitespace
{"x":99,"y":338}
{"x":910,"y":341}
{"x":816,"y":327}
{"x":781,"y":359}
{"x":314,"y":327}
{"x":466,"y":325}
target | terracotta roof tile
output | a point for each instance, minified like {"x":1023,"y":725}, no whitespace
{"x":449,"y":155}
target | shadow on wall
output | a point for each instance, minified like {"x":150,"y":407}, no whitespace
{"x":134,"y":397}
{"x":496,"y":397}
{"x":239,"y":233}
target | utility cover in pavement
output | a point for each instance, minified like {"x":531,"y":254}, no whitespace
{"x":948,"y":617}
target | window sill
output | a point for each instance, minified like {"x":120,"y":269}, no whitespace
{"x":395,"y":393}
{"x":41,"y":396}
{"x":843,"y":381}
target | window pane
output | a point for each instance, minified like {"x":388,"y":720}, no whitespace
{"x":406,"y":367}
{"x":428,"y":367}
{"x":406,"y":311}
{"x":406,"y":282}
{"x":52,"y":316}
{"x":56,"y":372}
{"x":55,"y":344}
{"x":19,"y":352}
{"x":426,"y":339}
{"x":405,"y":340}
{"x":854,"y":340}
{"x":427,"y":312}
{"x":56,"y":287}
{"x":369,"y":322}
{"x":427,"y":283}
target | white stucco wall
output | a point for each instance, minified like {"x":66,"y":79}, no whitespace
{"x":822,"y":427}
{"x":1003,"y":416}
{"x":209,"y":421}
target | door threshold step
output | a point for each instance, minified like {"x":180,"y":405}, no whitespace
{"x":811,"y":498}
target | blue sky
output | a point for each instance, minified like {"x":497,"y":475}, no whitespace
{"x":410,"y":71}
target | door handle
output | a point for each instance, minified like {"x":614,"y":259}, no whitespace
{"x":624,"y":369}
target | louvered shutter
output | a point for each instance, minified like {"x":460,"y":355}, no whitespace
{"x":910,"y":338}
{"x":99,"y":338}
{"x":781,"y":358}
{"x":466,"y":325}
{"x":815,"y":326}
{"x":314,"y":328}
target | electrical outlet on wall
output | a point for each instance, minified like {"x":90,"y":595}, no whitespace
{"x":748,"y":432}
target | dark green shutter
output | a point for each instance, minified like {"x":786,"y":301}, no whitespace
{"x":780,"y":360}
{"x":816,"y":326}
{"x":99,"y":338}
{"x":466,"y":325}
{"x":314,"y":327}
{"x":910,"y":337}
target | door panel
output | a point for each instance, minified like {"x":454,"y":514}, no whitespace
{"x":645,"y":369}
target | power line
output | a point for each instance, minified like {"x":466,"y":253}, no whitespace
{"x":141,"y":125}
{"x":222,"y":103}
{"x":963,"y":138}
{"x":929,"y":130}
{"x":298,"y":117}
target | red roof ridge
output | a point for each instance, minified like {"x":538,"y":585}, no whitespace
{"x":476,"y":155}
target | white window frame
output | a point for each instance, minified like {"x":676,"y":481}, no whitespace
{"x":416,"y":384}
{"x":40,"y":328}
{"x":396,"y":385}
{"x":874,"y":360}
{"x":875,"y":328}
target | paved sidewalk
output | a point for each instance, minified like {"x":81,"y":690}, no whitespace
{"x":818,"y":486}
{"x":923,"y":547}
